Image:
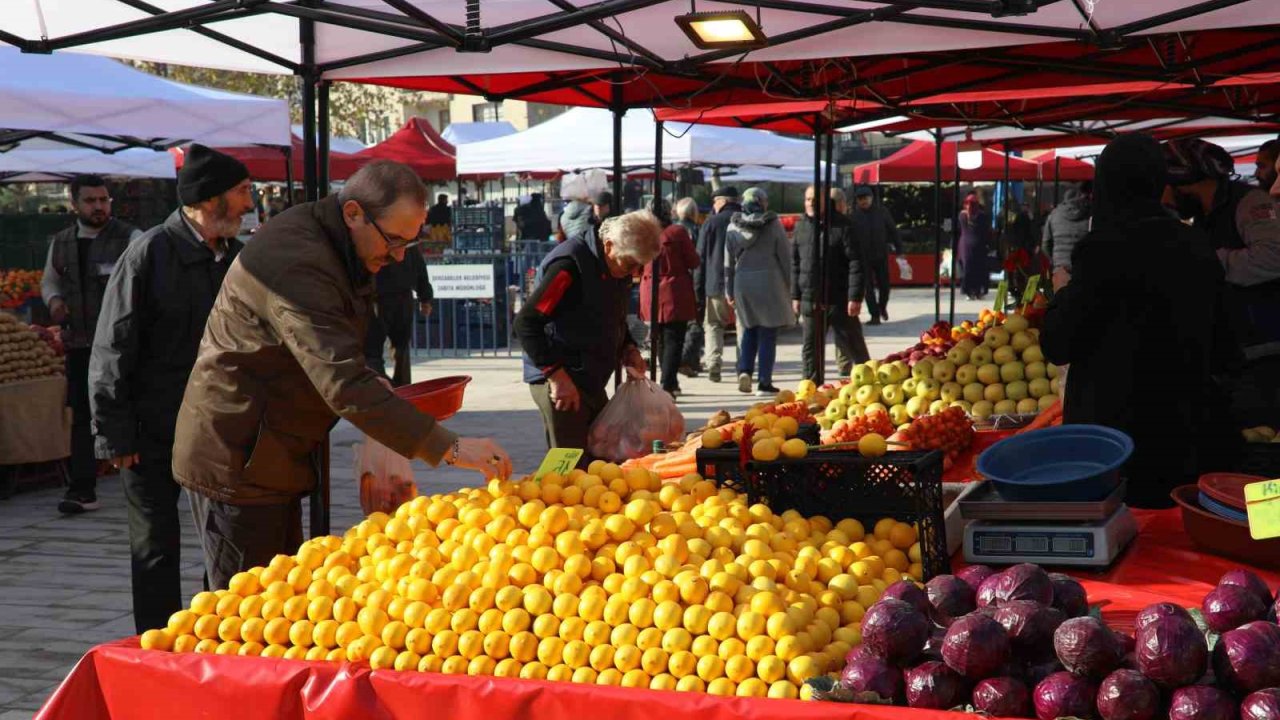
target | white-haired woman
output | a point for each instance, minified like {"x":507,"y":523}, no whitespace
{"x":573,"y":327}
{"x":677,"y":305}
{"x":757,"y":282}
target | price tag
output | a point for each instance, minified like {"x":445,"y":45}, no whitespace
{"x":1033,"y":284}
{"x":1002,"y":296}
{"x":1262,"y":501}
{"x":559,"y":461}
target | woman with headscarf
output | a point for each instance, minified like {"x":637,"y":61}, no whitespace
{"x":1138,"y":317}
{"x":975,"y":238}
{"x":758,"y":286}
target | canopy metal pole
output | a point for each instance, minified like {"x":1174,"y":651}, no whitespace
{"x":1057,"y":179}
{"x":955,"y":246}
{"x":618,"y":111}
{"x":655,"y":270}
{"x":288,"y":173}
{"x":819,"y":318}
{"x":322,"y":136}
{"x":307,"y":37}
{"x":1008,"y":197}
{"x":937,"y":225}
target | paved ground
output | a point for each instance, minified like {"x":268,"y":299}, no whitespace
{"x":66,"y":579}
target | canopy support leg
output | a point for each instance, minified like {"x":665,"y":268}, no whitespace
{"x":322,"y":137}
{"x":937,"y":225}
{"x":655,"y":269}
{"x":821,"y":207}
{"x":955,"y":247}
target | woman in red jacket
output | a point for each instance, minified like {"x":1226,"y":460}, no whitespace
{"x":677,"y":304}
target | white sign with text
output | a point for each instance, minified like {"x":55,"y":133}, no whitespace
{"x":461,"y":282}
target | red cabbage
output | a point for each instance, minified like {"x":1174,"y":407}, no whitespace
{"x":1069,"y":596}
{"x":895,"y":631}
{"x":910,"y":593}
{"x":1127,"y":695}
{"x":862,"y":651}
{"x":873,"y":675}
{"x":1024,"y":582}
{"x":1248,"y":658}
{"x":1034,"y":673}
{"x":933,"y":646}
{"x":1151,"y":613}
{"x":975,"y":646}
{"x":1227,"y":607}
{"x":935,"y":686}
{"x":951,"y":598}
{"x":1002,"y":697}
{"x":987,"y":590}
{"x":973,"y":575}
{"x":1065,"y":695}
{"x":1172,"y":652}
{"x":1087,"y":648}
{"x":1030,"y":627}
{"x":1262,"y":705}
{"x":1201,"y":702}
{"x":1249,"y":581}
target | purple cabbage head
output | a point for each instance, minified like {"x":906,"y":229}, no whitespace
{"x":1030,"y":627}
{"x":1171,"y":652}
{"x":1201,"y":702}
{"x":1127,"y":695}
{"x":973,"y":575}
{"x":1151,"y":613}
{"x":933,"y":646}
{"x":975,"y":646}
{"x":910,"y":593}
{"x":1247,"y":658}
{"x":1227,"y":607}
{"x":1249,"y":581}
{"x":1002,"y":697}
{"x":873,"y":675}
{"x":1069,"y":596}
{"x":1087,"y":648}
{"x":1024,"y":582}
{"x":1262,"y":705}
{"x":1064,"y":695}
{"x":987,"y":590}
{"x":1033,"y":673}
{"x":934,"y":686}
{"x":895,"y":631}
{"x":951,"y":598}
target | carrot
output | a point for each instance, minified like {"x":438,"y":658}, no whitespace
{"x":1050,"y":416}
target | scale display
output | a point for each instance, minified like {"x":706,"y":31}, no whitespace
{"x":1093,"y":544}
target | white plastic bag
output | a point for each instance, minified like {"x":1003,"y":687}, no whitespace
{"x":583,"y":185}
{"x":639,"y":413}
{"x":904,"y":268}
{"x":386,"y":477}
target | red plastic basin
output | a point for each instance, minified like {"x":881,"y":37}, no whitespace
{"x":440,"y":398}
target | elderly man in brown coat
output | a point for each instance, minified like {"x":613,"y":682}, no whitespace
{"x":282,"y":359}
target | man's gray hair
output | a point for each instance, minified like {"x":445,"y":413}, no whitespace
{"x":381,"y":184}
{"x":687,"y":209}
{"x":635,"y":235}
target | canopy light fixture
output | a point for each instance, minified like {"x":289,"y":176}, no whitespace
{"x":720,"y":29}
{"x":872,"y":124}
{"x":969,"y":152}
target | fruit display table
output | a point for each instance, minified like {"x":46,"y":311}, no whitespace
{"x":121,"y":680}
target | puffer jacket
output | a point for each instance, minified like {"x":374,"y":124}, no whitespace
{"x":1066,"y":226}
{"x":576,"y":219}
{"x":757,"y":268}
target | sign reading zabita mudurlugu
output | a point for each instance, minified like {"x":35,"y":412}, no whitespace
{"x":461,"y":282}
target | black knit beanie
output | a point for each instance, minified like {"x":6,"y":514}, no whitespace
{"x":207,"y":173}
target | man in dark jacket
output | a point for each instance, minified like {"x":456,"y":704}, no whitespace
{"x":152,"y":318}
{"x":1067,"y":224}
{"x":708,"y":279}
{"x":531,"y":220}
{"x":440,"y":213}
{"x":876,"y":232}
{"x":281,"y":359}
{"x":393,"y":318}
{"x":843,"y":264}
{"x":80,"y":261}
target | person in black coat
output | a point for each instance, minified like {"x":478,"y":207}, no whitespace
{"x":708,"y":279}
{"x":393,"y":317}
{"x":1139,"y":319}
{"x":844,"y":264}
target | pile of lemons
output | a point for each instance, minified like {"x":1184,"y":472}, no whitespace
{"x":599,"y":577}
{"x":773,"y":436}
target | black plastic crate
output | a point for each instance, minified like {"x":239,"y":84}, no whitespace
{"x":477,"y":215}
{"x":723,"y":466}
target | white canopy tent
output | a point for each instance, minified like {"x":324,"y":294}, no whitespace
{"x":795,"y":174}
{"x":337,"y":143}
{"x":41,"y":165}
{"x":465,"y":133}
{"x":583,"y":138}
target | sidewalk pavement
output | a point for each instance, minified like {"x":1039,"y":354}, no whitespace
{"x":67,"y":577}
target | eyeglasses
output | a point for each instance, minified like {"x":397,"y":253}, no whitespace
{"x":393,"y":242}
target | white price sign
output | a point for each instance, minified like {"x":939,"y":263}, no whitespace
{"x":461,"y":282}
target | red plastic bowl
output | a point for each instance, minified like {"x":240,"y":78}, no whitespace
{"x":440,"y":398}
{"x":1227,"y":488}
{"x":1222,"y":536}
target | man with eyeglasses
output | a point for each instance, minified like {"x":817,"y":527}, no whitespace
{"x":283,"y":358}
{"x":80,"y":260}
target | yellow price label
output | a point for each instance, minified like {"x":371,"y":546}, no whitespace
{"x":1262,"y":501}
{"x":559,"y":461}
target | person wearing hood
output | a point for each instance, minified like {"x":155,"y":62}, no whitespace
{"x":757,"y":269}
{"x":531,"y":220}
{"x":676,"y":261}
{"x":975,"y":239}
{"x":1067,"y":224}
{"x":708,"y":280}
{"x":1131,"y":336}
{"x":576,"y":219}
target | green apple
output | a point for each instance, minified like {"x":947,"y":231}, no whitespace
{"x":996,"y":337}
{"x":892,"y":394}
{"x":873,"y":364}
{"x":867,"y":394}
{"x":964,"y":405}
{"x":1033,"y":354}
{"x":968,"y":344}
{"x":824,"y":422}
{"x":1028,"y":406}
{"x":917,"y":406}
{"x":966,"y":374}
{"x":952,"y":391}
{"x":1010,"y":372}
{"x":909,"y":387}
{"x":993,"y":393}
{"x":982,"y":410}
{"x":1015,"y":323}
{"x":973,"y":392}
{"x":1021,"y":341}
{"x":1047,"y":401}
{"x":854,"y":412}
{"x":989,"y":374}
{"x":944,"y":371}
{"x":898,"y":414}
{"x":923,"y":369}
{"x":1003,"y":354}
{"x":1054,"y":386}
{"x":937,"y":406}
{"x":958,"y":355}
{"x":848,"y":393}
{"x":1039,"y":387}
{"x":875,"y":407}
{"x":887,"y":375}
{"x":929,"y":389}
{"x":981,"y":356}
{"x":1017,"y":390}
{"x":863,"y":374}
{"x":1053,"y":370}
{"x":1036,"y":370}
{"x":1006,"y":407}
{"x":836,"y":409}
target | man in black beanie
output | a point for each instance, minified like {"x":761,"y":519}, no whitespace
{"x":153,"y":316}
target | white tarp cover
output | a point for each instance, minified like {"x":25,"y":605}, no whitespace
{"x":80,"y":95}
{"x":583,"y":138}
{"x":36,"y":165}
{"x":797,"y":174}
{"x":652,"y":26}
{"x":465,"y":133}
{"x":337,"y":143}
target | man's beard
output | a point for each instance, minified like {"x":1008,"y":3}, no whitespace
{"x":224,"y":224}
{"x":96,"y":219}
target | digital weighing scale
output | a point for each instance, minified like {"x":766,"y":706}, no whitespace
{"x":1045,"y":533}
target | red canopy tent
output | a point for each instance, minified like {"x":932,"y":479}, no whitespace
{"x":1068,"y":169}
{"x":916,"y":163}
{"x":419,"y":146}
{"x":267,"y":163}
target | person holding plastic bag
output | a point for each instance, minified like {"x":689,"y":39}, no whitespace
{"x":573,"y":328}
{"x":639,"y":414}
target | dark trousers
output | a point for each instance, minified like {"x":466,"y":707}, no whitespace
{"x":878,"y":287}
{"x":155,"y":540}
{"x":393,"y":321}
{"x":672,"y":339}
{"x":568,"y":429}
{"x":693,"y":341}
{"x":851,"y":347}
{"x":238,"y":537}
{"x":83,"y":466}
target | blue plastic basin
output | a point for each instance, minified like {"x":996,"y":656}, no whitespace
{"x":1070,"y":463}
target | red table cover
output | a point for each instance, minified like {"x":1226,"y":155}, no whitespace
{"x":120,"y":680}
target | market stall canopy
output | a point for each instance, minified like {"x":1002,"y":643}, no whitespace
{"x":917,"y":161}
{"x":1090,"y":133}
{"x":337,"y":143}
{"x":468,"y":132}
{"x":266,"y":163}
{"x":756,"y":174}
{"x":93,"y":102}
{"x":1067,"y":169}
{"x":419,"y":146}
{"x":58,"y":164}
{"x":583,"y":138}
